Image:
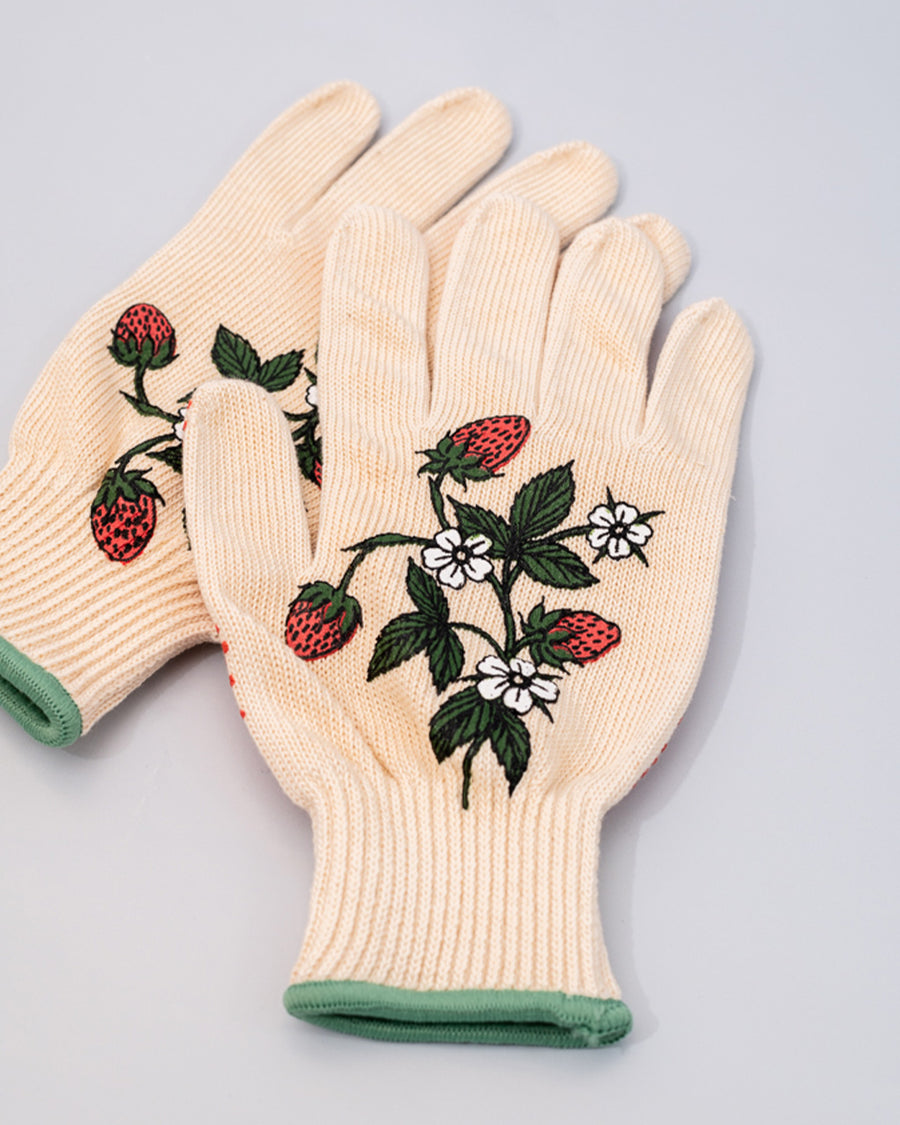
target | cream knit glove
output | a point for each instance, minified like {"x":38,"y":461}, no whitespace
{"x":94,"y":479}
{"x":504,"y":616}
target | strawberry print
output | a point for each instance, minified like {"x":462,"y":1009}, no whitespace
{"x":143,"y":336}
{"x":494,"y":441}
{"x":320,"y":621}
{"x":586,"y":636}
{"x":490,"y":705}
{"x":477,"y":450}
{"x":123,"y":514}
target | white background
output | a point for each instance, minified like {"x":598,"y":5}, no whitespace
{"x":154,"y":880}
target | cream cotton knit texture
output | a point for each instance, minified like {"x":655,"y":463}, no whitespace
{"x":100,"y":587}
{"x":502,"y":618}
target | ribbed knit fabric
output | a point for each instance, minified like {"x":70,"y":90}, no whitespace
{"x":414,"y":891}
{"x":99,"y":585}
{"x":504,"y":614}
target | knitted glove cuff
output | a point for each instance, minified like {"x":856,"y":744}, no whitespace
{"x":430,"y":922}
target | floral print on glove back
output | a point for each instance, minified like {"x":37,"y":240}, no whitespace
{"x":522,"y":672}
{"x":123,"y":513}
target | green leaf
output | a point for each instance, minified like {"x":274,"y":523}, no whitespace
{"x":479,"y":521}
{"x":171,"y":456}
{"x":317,"y":594}
{"x":540,"y":618}
{"x":543,"y":503}
{"x":142,"y":486}
{"x":552,"y":564}
{"x":145,"y":355}
{"x":163,"y":355}
{"x":307,"y":457}
{"x":124,"y":351}
{"x":278,"y":373}
{"x":446,"y":657}
{"x":542,"y":652}
{"x":511,"y":744}
{"x":399,"y":641}
{"x":426,"y":594}
{"x":389,"y":539}
{"x":234,"y":357}
{"x":126,"y":484}
{"x":450,"y":459}
{"x":464,"y":718}
{"x":639,"y":553}
{"x":470,"y":470}
{"x":352,"y":614}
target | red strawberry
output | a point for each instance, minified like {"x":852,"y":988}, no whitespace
{"x":143,"y":335}
{"x":123,"y":514}
{"x":590,"y":637}
{"x":317,"y":473}
{"x":494,"y":441}
{"x":321,"y":620}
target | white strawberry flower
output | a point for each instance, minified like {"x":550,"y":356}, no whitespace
{"x":178,"y":427}
{"x":617,"y":529}
{"x":312,"y":395}
{"x":455,"y":559}
{"x":517,"y":683}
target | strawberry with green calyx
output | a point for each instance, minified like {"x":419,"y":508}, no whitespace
{"x":583,"y":636}
{"x":123,"y":514}
{"x":321,"y":620}
{"x":536,"y":630}
{"x":143,"y":337}
{"x":479,"y":449}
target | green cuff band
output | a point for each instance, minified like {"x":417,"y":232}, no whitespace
{"x":36,"y":699}
{"x":532,"y":1019}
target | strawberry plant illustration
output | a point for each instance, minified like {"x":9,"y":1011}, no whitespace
{"x":123,"y":512}
{"x":522,"y":672}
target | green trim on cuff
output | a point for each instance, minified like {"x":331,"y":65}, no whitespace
{"x":36,"y":699}
{"x":532,"y":1019}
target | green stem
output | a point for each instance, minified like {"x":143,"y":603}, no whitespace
{"x":140,"y":393}
{"x":142,"y":448}
{"x":364,"y":552}
{"x":350,"y":571}
{"x":151,"y":410}
{"x":140,"y":370}
{"x":485,"y":636}
{"x":437,"y":500}
{"x":509,"y":620}
{"x":467,"y":772}
{"x":527,"y":639}
{"x":567,"y":533}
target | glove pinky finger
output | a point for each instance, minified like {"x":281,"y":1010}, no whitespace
{"x":701,"y":381}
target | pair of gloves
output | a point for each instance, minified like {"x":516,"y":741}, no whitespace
{"x":397,"y":454}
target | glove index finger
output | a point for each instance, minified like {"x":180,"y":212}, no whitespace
{"x":244,"y":507}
